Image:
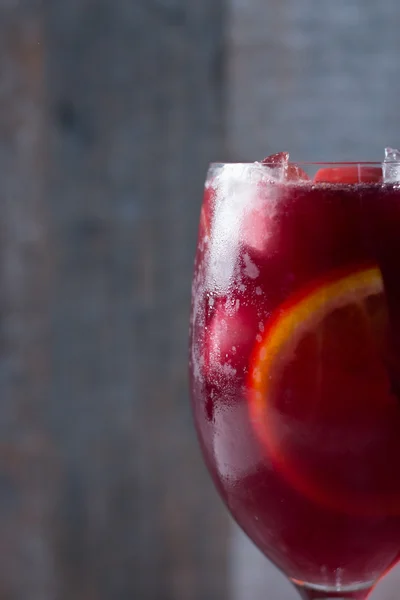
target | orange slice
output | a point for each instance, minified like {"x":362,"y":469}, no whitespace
{"x":320,"y":398}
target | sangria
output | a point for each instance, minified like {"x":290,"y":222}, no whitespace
{"x":295,"y":363}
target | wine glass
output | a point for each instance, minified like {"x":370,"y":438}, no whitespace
{"x":295,"y":364}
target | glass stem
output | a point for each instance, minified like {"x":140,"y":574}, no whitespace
{"x":308,"y":594}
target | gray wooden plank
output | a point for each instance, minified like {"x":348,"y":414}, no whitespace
{"x":28,"y":459}
{"x":135,"y":95}
{"x":320,"y":80}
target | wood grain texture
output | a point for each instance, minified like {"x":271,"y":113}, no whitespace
{"x":135,"y":101}
{"x":321,"y":81}
{"x":28,"y":456}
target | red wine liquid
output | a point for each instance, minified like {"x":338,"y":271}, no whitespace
{"x":328,"y":511}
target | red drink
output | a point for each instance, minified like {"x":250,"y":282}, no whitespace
{"x":295,"y":362}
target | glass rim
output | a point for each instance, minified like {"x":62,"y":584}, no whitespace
{"x":327,"y":163}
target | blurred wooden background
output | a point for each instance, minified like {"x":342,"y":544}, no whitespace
{"x":110,"y":111}
{"x":322,"y":80}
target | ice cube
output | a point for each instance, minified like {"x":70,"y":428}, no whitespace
{"x":283,"y":169}
{"x":236,"y":450}
{"x":237,"y":189}
{"x":391,"y":166}
{"x":259,"y":224}
{"x":279,"y":163}
{"x":231,"y":335}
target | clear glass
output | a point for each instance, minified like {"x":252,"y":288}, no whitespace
{"x":295,"y":365}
